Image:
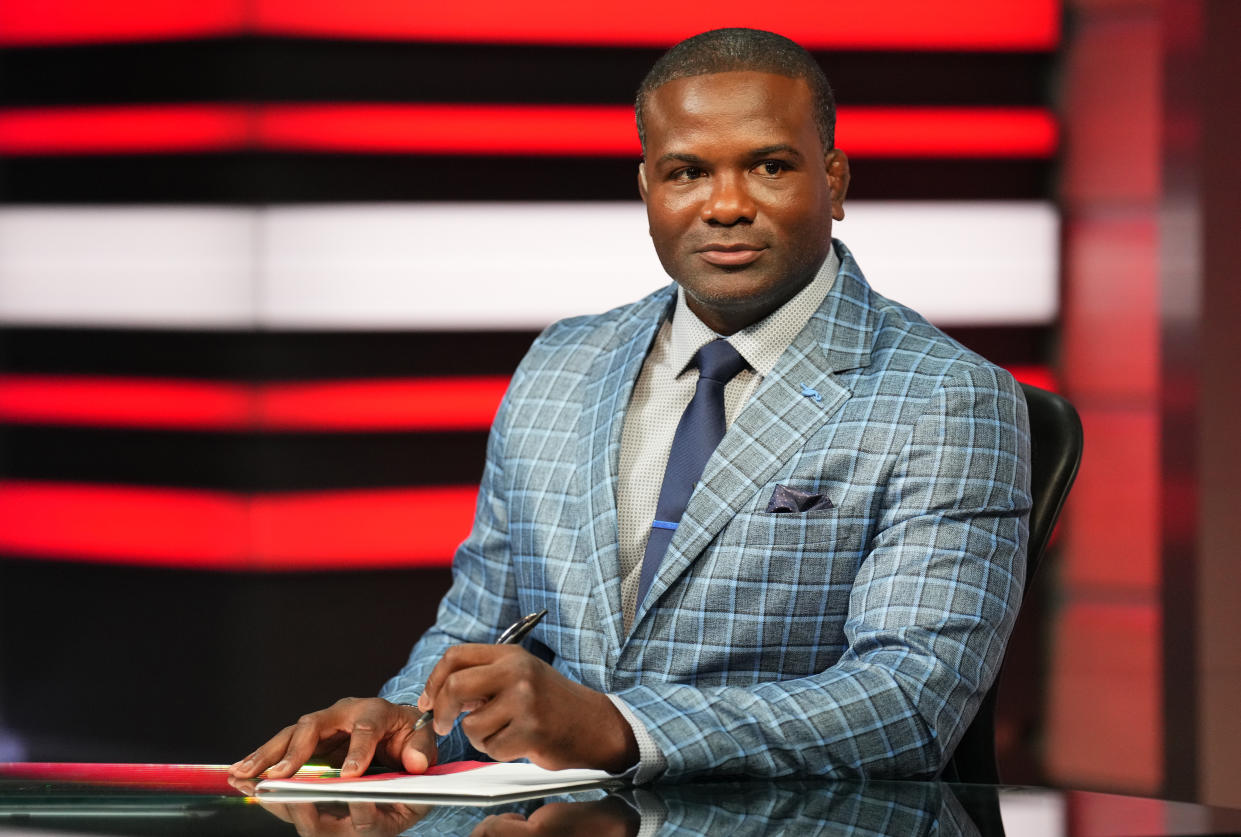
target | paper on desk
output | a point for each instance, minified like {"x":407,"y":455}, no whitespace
{"x":454,"y":780}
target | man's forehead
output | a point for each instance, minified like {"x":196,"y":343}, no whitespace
{"x":768,"y":107}
{"x":714,"y":88}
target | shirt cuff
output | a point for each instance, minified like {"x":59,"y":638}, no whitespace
{"x":651,"y":762}
{"x":652,"y":813}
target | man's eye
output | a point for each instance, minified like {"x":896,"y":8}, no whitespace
{"x":688,"y":173}
{"x":772,"y":167}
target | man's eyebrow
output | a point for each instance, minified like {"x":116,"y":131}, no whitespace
{"x":678,"y":157}
{"x":778,"y":148}
{"x":695,"y":160}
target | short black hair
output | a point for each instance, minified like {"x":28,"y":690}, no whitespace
{"x":732,"y":50}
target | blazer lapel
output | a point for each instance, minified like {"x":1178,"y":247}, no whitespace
{"x":776,"y":423}
{"x":605,"y":401}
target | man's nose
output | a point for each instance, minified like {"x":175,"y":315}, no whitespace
{"x":729,"y":201}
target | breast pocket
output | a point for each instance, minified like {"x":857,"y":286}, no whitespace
{"x":814,"y":546}
{"x":785,"y":530}
{"x":776,"y":586}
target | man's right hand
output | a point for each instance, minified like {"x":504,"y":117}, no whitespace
{"x":348,"y":734}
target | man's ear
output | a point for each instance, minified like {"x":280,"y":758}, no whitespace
{"x":837,"y":164}
{"x":642,"y":181}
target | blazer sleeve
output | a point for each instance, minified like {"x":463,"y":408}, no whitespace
{"x":929,"y":614}
{"x":482,"y":595}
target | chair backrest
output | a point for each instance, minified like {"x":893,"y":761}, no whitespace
{"x":1055,"y":453}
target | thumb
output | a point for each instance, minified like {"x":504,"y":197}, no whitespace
{"x":419,"y":752}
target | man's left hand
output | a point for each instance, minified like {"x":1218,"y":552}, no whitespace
{"x":520,"y":707}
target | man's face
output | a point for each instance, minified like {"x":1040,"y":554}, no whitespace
{"x":739,"y":194}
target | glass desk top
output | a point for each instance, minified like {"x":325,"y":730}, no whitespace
{"x":66,"y":799}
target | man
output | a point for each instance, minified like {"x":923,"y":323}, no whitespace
{"x":835,"y":594}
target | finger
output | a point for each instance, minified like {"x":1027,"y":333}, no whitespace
{"x":333,"y":749}
{"x":403,"y":742}
{"x":465,"y":690}
{"x":245,"y":786}
{"x":456,"y":658}
{"x":418,"y":751}
{"x":363,"y":738}
{"x":308,"y":732}
{"x":495,"y":729}
{"x":262,"y":758}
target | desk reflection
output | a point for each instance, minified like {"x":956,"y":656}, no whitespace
{"x":719,"y":808}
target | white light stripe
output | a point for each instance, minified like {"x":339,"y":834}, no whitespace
{"x":162,"y":266}
{"x":471,"y":265}
{"x":455,"y":266}
{"x":960,"y":263}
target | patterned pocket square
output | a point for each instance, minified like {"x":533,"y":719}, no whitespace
{"x":785,"y":500}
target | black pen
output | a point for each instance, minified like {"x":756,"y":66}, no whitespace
{"x":512,"y":635}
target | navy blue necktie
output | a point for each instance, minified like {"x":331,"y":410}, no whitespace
{"x":698,"y":433}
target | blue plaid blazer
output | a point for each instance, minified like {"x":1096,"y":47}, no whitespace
{"x":851,"y":641}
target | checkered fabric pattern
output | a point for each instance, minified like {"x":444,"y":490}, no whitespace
{"x":851,"y":641}
{"x":754,"y":809}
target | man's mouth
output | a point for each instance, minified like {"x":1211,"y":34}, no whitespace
{"x":730,"y":255}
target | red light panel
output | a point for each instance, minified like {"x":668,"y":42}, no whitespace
{"x":221,"y":531}
{"x":414,"y":404}
{"x":371,"y":528}
{"x":569,"y":130}
{"x":853,"y":24}
{"x":154,"y":526}
{"x":124,"y":129}
{"x":597,"y":131}
{"x":947,"y":132}
{"x":845,"y":24}
{"x":28,"y":22}
{"x":124,"y":402}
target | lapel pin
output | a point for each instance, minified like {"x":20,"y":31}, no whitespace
{"x":811,"y":393}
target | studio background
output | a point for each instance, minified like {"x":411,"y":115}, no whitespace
{"x":265,"y":269}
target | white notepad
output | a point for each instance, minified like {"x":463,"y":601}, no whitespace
{"x":455,"y":781}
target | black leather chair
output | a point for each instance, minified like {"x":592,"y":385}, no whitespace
{"x":1055,"y":453}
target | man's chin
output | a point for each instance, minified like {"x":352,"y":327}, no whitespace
{"x":729,"y":308}
{"x":734,"y":286}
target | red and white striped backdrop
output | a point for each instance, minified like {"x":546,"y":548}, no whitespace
{"x":266,"y":266}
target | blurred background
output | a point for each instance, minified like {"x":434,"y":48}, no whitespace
{"x":266,"y":266}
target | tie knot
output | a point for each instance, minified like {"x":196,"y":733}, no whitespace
{"x":719,"y":361}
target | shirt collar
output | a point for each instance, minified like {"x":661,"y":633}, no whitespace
{"x":762,"y":343}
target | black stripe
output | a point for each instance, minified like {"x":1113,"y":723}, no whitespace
{"x":271,"y":69}
{"x":297,"y":355}
{"x":258,"y":649}
{"x":241,"y":461}
{"x":288,"y":178}
{"x":1009,"y":345}
{"x":257,"y":356}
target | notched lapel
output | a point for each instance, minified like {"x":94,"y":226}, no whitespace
{"x":605,"y":401}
